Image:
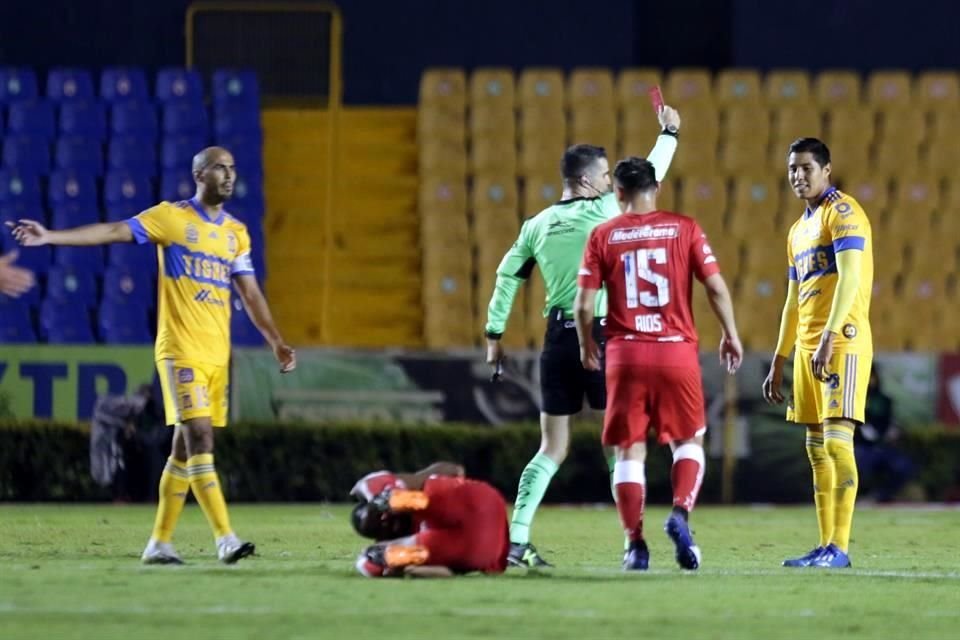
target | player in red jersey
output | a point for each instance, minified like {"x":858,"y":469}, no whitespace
{"x":647,"y":259}
{"x":430,"y":525}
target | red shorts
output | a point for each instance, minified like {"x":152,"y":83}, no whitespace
{"x":654,"y":385}
{"x":465,"y":527}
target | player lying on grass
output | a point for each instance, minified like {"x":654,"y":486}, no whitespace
{"x":433,"y":523}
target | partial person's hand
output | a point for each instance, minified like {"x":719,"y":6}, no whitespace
{"x":669,"y":118}
{"x":773,"y":383}
{"x":495,"y":357}
{"x":286,"y":356}
{"x":14,"y":281}
{"x":821,"y":357}
{"x":29,"y":233}
{"x":731,"y":353}
{"x":590,"y":356}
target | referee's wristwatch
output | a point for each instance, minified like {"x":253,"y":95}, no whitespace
{"x":671,"y":130}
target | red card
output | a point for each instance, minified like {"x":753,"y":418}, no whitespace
{"x":656,"y":98}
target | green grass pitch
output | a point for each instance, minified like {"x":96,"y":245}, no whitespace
{"x":74,"y":572}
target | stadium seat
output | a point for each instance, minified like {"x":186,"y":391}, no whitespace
{"x":918,"y":198}
{"x":667,"y":195}
{"x":229,"y":121}
{"x":755,"y":197}
{"x":444,"y":193}
{"x":938,"y":90}
{"x":763,"y":229}
{"x":745,"y":156}
{"x":177,"y":151}
{"x":542,"y":157}
{"x":122,"y":322}
{"x":247,"y":201}
{"x":745,"y":121}
{"x":795,"y":121}
{"x":65,"y":84}
{"x":175,"y":84}
{"x":32,"y":118}
{"x":633,"y":86}
{"x":941,"y":156}
{"x":541,"y":90}
{"x":16,"y":325}
{"x":907,"y":126}
{"x":851,"y":121}
{"x":539,"y":192}
{"x":848,"y":155}
{"x":494,"y":88}
{"x":439,"y":127}
{"x":87,"y":119}
{"x":135,"y":257}
{"x":492,"y":155}
{"x":75,"y":286}
{"x":17,"y":83}
{"x":122,"y":284}
{"x":685,"y":86}
{"x":788,"y":86}
{"x":837,"y":87}
{"x":186,"y":118}
{"x":120,"y":84}
{"x":16,"y":186}
{"x":236,"y":86}
{"x":243,"y":333}
{"x":29,"y":156}
{"x":246,"y":148}
{"x":177,"y":184}
{"x":443,"y":159}
{"x":591,"y":87}
{"x":76,"y":153}
{"x":126,"y":194}
{"x":738,"y":86}
{"x":131,"y":153}
{"x":444,"y":89}
{"x":544,"y":125}
{"x":889,"y":88}
{"x":64,"y":323}
{"x":704,"y":198}
{"x":889,"y":157}
{"x":494,"y":122}
{"x":72,"y":186}
{"x":595,"y":127}
{"x":80,"y":259}
{"x":134,"y":118}
{"x":494,"y":201}
{"x":872,"y":192}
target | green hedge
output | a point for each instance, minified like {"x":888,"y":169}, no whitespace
{"x":310,"y":463}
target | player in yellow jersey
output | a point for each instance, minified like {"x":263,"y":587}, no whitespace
{"x":202,"y":250}
{"x":826,"y":316}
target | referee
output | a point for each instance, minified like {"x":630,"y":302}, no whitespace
{"x":554,"y":239}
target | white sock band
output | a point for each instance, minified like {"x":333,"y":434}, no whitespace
{"x":689,"y":451}
{"x":629,"y":471}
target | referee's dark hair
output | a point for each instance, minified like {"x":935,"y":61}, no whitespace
{"x":813,"y":146}
{"x":578,"y":158}
{"x":635,"y":175}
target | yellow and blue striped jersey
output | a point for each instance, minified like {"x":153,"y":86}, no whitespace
{"x":198,"y":257}
{"x":838,"y":223}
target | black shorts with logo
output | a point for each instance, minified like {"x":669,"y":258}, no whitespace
{"x":563,"y":381}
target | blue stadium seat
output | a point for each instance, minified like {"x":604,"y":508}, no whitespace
{"x":64,"y":84}
{"x":247,"y":202}
{"x":17,"y":83}
{"x":238,"y":86}
{"x":29,"y":156}
{"x":134,"y":118}
{"x":86,"y":119}
{"x":73,"y":214}
{"x":122,"y":284}
{"x":70,"y":285}
{"x":31,"y":118}
{"x":130,"y":153}
{"x":177,"y":184}
{"x":67,"y":185}
{"x":229,"y":120}
{"x":63,"y":323}
{"x":88,"y":259}
{"x":16,"y":186}
{"x":79,"y":154}
{"x":126,"y":194}
{"x":141,"y":258}
{"x":246,"y":147}
{"x":177,"y":151}
{"x":242,"y":331}
{"x":118,"y":84}
{"x":37,"y":259}
{"x":175,"y":83}
{"x":18,"y":210}
{"x":122,"y":322}
{"x":185,"y":117}
{"x":16,"y":325}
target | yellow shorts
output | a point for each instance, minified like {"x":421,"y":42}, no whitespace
{"x":844,"y":396}
{"x":194,"y":390}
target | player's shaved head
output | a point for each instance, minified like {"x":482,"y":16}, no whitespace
{"x":214,"y":172}
{"x":211,"y":156}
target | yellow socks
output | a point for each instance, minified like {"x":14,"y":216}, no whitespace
{"x":206,"y":489}
{"x":823,"y":485}
{"x":838,"y":441}
{"x":174,"y":485}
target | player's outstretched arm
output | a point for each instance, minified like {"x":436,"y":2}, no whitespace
{"x":259,"y":310}
{"x":31,"y":233}
{"x":584,"y":306}
{"x":661,"y":156}
{"x":787,"y":337}
{"x":718,"y":294}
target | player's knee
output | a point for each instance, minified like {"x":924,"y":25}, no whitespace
{"x":555,"y":448}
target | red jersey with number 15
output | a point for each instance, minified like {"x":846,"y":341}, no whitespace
{"x":648,"y":262}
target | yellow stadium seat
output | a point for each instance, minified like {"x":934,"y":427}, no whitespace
{"x":693,"y":161}
{"x":788,"y":86}
{"x":890,"y":157}
{"x":738,"y":86}
{"x":435,"y":125}
{"x":727,"y":249}
{"x":902,"y":124}
{"x":848,"y":156}
{"x":951,"y":197}
{"x":851,"y":121}
{"x":746,"y":156}
{"x":837,"y":87}
{"x":871,"y":191}
{"x":493,"y":87}
{"x":444,"y":227}
{"x":541,"y":128}
{"x":688,"y":86}
{"x":917,"y":196}
{"x":438,"y":158}
{"x":541,"y":191}
{"x":540,"y":158}
{"x":515,"y":336}
{"x":447,"y":276}
{"x":496,"y":194}
{"x":797,"y":121}
{"x":755,"y":197}
{"x":667,"y":195}
{"x":492,"y":155}
{"x":597,"y":127}
{"x":490,"y":252}
{"x":889,"y":250}
{"x":633,"y":87}
{"x":445,"y":193}
{"x":745,"y":121}
{"x":766,"y":258}
{"x":494,"y":230}
{"x":938,"y":89}
{"x":889,"y":88}
{"x":445,"y":88}
{"x":760,"y":299}
{"x":638,"y":121}
{"x":944,"y":124}
{"x":541,"y":89}
{"x":591,"y":87}
{"x":704,"y":198}
{"x":708,"y":329}
{"x":495,"y":122}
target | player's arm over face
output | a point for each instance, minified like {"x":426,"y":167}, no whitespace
{"x":416,"y":480}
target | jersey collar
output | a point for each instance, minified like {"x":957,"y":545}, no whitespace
{"x":808,"y":212}
{"x":203,"y":214}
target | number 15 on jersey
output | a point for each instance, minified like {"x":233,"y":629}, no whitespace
{"x":637,"y":267}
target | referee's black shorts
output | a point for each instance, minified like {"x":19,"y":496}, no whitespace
{"x":564,"y":383}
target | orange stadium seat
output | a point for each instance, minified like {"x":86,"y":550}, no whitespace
{"x":889,"y":88}
{"x":541,"y":89}
{"x":491,"y":154}
{"x":837,"y":87}
{"x":938,"y":89}
{"x":738,"y":86}
{"x":493,"y":87}
{"x":748,"y":120}
{"x":796,"y":121}
{"x":445,"y":88}
{"x":851,"y":121}
{"x":591,"y":87}
{"x":704,"y":198}
{"x":686,"y":86}
{"x":633,"y":86}
{"x":788,"y":86}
